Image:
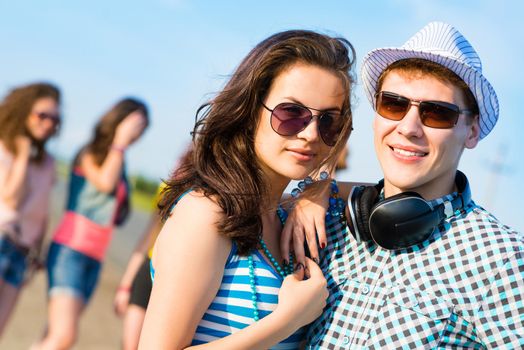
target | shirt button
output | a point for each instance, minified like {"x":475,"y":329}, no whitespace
{"x":345,"y":340}
{"x":365,"y":290}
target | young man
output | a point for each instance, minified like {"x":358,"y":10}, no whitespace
{"x":432,"y":270}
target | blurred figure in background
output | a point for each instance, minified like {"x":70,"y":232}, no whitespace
{"x":98,"y":199}
{"x":29,"y":116}
{"x":134,"y":290}
{"x":132,"y":294}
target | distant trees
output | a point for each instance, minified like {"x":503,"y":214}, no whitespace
{"x":143,"y":184}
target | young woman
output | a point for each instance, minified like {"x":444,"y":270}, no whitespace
{"x":29,"y":116}
{"x":219,"y":279}
{"x":97,"y":200}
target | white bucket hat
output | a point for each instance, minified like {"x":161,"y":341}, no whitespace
{"x":443,"y":44}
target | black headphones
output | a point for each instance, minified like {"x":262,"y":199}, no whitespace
{"x":403,"y":220}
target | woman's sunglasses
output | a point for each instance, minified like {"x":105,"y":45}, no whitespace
{"x":288,"y":119}
{"x":435,"y":114}
{"x":53,"y":118}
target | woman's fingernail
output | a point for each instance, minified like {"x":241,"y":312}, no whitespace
{"x":299,"y":266}
{"x":322,"y":245}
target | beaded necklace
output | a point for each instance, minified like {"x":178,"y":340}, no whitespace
{"x":336,"y":208}
{"x":336,"y":204}
{"x":282,"y":271}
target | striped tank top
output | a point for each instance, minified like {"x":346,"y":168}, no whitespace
{"x":232,"y":309}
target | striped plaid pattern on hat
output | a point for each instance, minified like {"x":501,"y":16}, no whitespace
{"x":443,"y":44}
{"x":463,"y":288}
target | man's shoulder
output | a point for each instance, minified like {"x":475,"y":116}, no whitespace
{"x":484,"y":225}
{"x":486,"y":217}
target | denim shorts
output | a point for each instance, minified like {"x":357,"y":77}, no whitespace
{"x":71,"y":272}
{"x":12,"y":263}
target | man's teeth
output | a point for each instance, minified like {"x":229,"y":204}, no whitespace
{"x":408,"y":153}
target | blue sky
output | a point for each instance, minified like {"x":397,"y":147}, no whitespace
{"x":175,"y":54}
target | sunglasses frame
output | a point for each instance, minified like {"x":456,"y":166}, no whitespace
{"x":55,"y":119}
{"x":312,"y":116}
{"x":452,"y":108}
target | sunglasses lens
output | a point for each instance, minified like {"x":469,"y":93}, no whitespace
{"x":289,"y":119}
{"x":435,"y":114}
{"x":54,"y":119}
{"x":330,"y":127}
{"x":438,"y":115}
{"x":392,"y":106}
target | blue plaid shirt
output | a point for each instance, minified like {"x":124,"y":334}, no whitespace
{"x":462,"y":288}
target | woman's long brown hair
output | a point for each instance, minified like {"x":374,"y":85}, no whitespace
{"x":105,"y":129}
{"x":16,"y":108}
{"x":222,"y":163}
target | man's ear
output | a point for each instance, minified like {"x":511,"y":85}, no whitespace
{"x":473,"y":133}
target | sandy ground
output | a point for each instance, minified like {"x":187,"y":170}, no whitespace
{"x":100,"y":328}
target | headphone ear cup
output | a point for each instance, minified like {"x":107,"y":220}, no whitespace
{"x":356,"y":195}
{"x":402,"y":220}
{"x":363,"y":200}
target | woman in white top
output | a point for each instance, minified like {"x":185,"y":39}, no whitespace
{"x":29,"y":116}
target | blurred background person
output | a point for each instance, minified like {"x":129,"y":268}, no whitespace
{"x":133,"y":292}
{"x":29,"y":116}
{"x":98,"y":199}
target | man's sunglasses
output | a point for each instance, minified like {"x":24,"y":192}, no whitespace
{"x":288,"y":119}
{"x":435,"y":114}
{"x":53,"y":118}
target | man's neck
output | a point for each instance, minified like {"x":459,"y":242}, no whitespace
{"x":437,"y":188}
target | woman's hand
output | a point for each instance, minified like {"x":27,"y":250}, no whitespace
{"x":129,"y":129}
{"x":121,"y":300}
{"x":301,"y":300}
{"x":13,"y":178}
{"x":106,"y":176}
{"x":23,"y":146}
{"x":306,"y":223}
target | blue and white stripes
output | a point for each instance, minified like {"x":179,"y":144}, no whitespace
{"x":232,"y":308}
